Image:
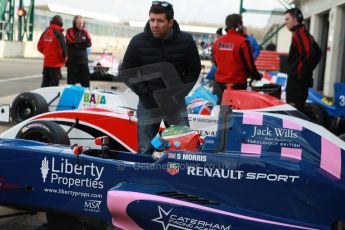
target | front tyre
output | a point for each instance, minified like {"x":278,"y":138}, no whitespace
{"x":44,"y":131}
{"x":27,"y":105}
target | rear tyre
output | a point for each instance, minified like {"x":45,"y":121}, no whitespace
{"x":27,"y":105}
{"x":317,"y":114}
{"x":44,"y":131}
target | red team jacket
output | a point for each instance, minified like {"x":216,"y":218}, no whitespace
{"x":299,"y":50}
{"x":234,"y":59}
{"x":53,"y":46}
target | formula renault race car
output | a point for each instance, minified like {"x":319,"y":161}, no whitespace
{"x":260,"y":171}
{"x":105,"y":113}
{"x":29,"y":104}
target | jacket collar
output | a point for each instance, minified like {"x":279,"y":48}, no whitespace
{"x":232,"y":32}
{"x":296,"y":27}
{"x":56,"y":27}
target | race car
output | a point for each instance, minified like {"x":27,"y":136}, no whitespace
{"x":104,"y":67}
{"x":260,"y":171}
{"x":107,"y":113}
{"x":329,"y":113}
{"x":29,"y":104}
{"x":120,"y":122}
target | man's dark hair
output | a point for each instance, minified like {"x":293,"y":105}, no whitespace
{"x":159,"y":7}
{"x":57,"y":20}
{"x":296,"y":13}
{"x":219,"y":31}
{"x":232,"y":21}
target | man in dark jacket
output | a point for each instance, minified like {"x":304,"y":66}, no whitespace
{"x":299,"y":73}
{"x":53,"y":46}
{"x":161,"y":41}
{"x":78,"y":39}
{"x":233,"y":57}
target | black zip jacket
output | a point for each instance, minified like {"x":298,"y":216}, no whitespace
{"x":179,"y":50}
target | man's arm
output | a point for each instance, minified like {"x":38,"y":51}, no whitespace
{"x":62,"y":43}
{"x":83,"y":44}
{"x":193,"y":64}
{"x":40,"y":45}
{"x":131,"y":61}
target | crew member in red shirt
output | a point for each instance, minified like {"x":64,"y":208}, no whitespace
{"x":53,"y":46}
{"x":233,"y":57}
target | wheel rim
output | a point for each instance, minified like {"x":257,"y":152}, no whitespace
{"x":24,"y":110}
{"x":37,"y":137}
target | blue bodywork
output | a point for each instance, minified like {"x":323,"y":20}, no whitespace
{"x":258,"y":172}
{"x":335,"y":109}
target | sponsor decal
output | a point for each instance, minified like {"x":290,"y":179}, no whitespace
{"x":92,"y":205}
{"x":278,"y":132}
{"x":342,"y":100}
{"x":172,"y":155}
{"x":204,"y":126}
{"x":94,"y":99}
{"x":44,"y":169}
{"x":170,"y":220}
{"x":225,"y":46}
{"x":191,"y":157}
{"x":62,"y":172}
{"x":173,"y":168}
{"x":223,"y":173}
{"x":280,"y":137}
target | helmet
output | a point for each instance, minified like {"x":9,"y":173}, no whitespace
{"x":200,"y":106}
{"x":177,"y":137}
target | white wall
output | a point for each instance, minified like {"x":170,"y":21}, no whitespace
{"x":284,"y":40}
{"x":334,"y":50}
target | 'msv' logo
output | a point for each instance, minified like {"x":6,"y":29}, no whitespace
{"x":94,"y":99}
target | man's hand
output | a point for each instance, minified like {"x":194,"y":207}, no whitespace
{"x":257,"y":76}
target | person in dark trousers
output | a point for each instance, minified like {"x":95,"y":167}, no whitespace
{"x":161,"y":41}
{"x":53,"y":46}
{"x":233,"y":57}
{"x":299,"y":73}
{"x":78,"y":40}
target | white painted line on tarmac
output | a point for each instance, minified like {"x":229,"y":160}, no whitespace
{"x":20,"y":78}
{"x":25,"y":77}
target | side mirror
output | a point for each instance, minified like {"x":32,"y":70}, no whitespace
{"x":100,"y":141}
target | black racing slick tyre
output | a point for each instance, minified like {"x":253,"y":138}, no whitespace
{"x":317,"y":114}
{"x":27,"y":105}
{"x":44,"y":131}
